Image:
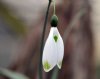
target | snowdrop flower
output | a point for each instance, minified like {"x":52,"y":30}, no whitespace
{"x":53,"y":50}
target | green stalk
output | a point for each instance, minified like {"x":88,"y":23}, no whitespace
{"x":54,"y":5}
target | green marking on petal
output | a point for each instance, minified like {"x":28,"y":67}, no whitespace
{"x":55,"y":38}
{"x":46,"y":65}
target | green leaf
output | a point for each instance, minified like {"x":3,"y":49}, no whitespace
{"x":15,"y":24}
{"x":12,"y":74}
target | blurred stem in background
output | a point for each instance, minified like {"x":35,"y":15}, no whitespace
{"x":13,"y":22}
{"x":55,"y":73}
{"x":42,"y":41}
{"x":98,"y":71}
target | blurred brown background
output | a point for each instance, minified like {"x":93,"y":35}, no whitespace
{"x":21,"y":25}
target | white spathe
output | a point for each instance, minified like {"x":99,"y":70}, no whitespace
{"x":53,"y":50}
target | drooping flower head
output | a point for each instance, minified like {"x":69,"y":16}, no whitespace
{"x":54,"y":48}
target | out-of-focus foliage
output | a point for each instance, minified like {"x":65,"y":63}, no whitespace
{"x":15,"y":24}
{"x":98,"y":72}
{"x":12,"y":75}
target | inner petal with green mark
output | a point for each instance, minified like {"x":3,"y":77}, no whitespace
{"x":55,"y":38}
{"x":46,"y":65}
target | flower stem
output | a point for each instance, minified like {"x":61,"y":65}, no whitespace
{"x":42,"y":41}
{"x":54,"y":7}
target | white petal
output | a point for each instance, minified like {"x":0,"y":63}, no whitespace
{"x":49,"y":59}
{"x":60,"y":49}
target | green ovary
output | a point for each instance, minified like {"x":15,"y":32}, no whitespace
{"x":46,"y":65}
{"x":55,"y":38}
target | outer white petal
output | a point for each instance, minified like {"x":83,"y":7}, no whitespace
{"x":60,"y":49}
{"x":49,"y":59}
